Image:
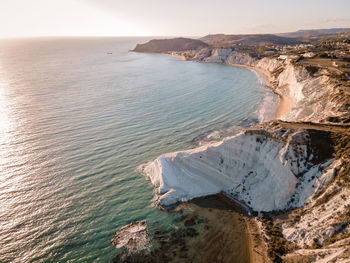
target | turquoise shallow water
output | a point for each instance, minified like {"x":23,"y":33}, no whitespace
{"x":77,"y":121}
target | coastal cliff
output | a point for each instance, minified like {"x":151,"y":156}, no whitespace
{"x":315,"y":94}
{"x":297,"y":166}
{"x":247,"y":165}
{"x":175,"y":44}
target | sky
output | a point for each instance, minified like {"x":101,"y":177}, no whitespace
{"x":28,"y":18}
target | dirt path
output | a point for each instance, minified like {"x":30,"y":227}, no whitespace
{"x":343,"y":128}
{"x":258,"y":248}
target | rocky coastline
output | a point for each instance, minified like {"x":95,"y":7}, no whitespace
{"x":293,"y":172}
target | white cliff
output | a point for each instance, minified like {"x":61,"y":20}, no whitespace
{"x":239,"y":58}
{"x":314,"y":96}
{"x":274,"y":166}
{"x":247,"y":165}
{"x":310,"y":227}
{"x":264,"y":170}
{"x":310,"y":93}
{"x":218,"y":55}
{"x":321,"y":230}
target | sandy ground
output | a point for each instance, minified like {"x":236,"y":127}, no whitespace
{"x":232,"y":236}
{"x":176,"y":55}
{"x":286,"y":103}
{"x":228,"y":234}
{"x":214,"y":229}
{"x":285,"y":106}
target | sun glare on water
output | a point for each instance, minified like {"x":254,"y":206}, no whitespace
{"x":5,"y":124}
{"x":4,"y":118}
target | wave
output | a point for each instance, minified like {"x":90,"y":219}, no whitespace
{"x":269,"y":103}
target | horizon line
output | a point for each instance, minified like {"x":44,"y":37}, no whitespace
{"x":166,"y":36}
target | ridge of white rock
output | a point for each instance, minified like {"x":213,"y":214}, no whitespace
{"x":271,"y":169}
{"x":339,"y":254}
{"x":314,"y":96}
{"x":218,"y":55}
{"x":245,"y":166}
{"x":307,"y":92}
{"x":323,"y":226}
{"x":240,"y":58}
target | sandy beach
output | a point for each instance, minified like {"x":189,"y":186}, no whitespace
{"x":285,"y":104}
{"x":229,"y":234}
{"x":173,"y":54}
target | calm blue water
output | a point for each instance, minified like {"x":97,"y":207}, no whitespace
{"x":75,"y":122}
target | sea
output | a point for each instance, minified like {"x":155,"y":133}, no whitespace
{"x":78,"y":116}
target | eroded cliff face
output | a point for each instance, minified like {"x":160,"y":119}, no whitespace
{"x":295,"y":167}
{"x":244,"y":166}
{"x":299,"y":164}
{"x":315,"y":96}
{"x":218,"y":55}
{"x":240,"y":58}
{"x":224,"y":55}
{"x":269,"y":167}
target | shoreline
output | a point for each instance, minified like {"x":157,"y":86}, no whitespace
{"x":285,"y":103}
{"x":211,"y":228}
{"x":250,"y":239}
{"x":300,"y":93}
{"x":176,"y":55}
{"x":239,"y":233}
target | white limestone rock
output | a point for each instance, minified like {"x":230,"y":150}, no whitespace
{"x":259,"y":168}
{"x":218,"y":55}
{"x":240,"y":58}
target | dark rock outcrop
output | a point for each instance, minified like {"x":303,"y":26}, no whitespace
{"x":167,"y":45}
{"x":132,"y":237}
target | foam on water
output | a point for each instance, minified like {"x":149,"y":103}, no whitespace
{"x":269,"y":102}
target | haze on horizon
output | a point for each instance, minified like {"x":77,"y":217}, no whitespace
{"x":23,"y":18}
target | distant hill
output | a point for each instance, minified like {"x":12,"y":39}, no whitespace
{"x":314,"y":32}
{"x":222,"y":40}
{"x":228,"y":40}
{"x":174,"y":44}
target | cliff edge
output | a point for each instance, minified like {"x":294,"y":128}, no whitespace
{"x":166,"y":45}
{"x":293,"y":172}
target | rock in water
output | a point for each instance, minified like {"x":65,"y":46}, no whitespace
{"x":132,"y":237}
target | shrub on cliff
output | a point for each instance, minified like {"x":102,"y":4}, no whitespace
{"x":311,"y":69}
